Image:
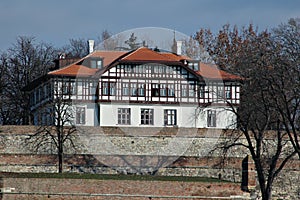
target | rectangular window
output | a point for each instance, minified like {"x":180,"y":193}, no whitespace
{"x":112,"y":89}
{"x":191,"y":90}
{"x":171,"y":92}
{"x":93,"y":64}
{"x":133,"y":89}
{"x":141,"y":90}
{"x":105,"y":86}
{"x":108,"y":88}
{"x":155,"y":69}
{"x":124,"y":116}
{"x":220,"y":94}
{"x":155,"y":90}
{"x":127,"y":68}
{"x":228,"y":93}
{"x":99,"y":64}
{"x":184,"y":92}
{"x":201,"y":91}
{"x":169,"y":70}
{"x":163,"y":90}
{"x":80,"y":115}
{"x":65,"y":88}
{"x":211,"y":118}
{"x":170,"y":117}
{"x":147,"y":116}
{"x":125,"y":89}
{"x":96,"y":64}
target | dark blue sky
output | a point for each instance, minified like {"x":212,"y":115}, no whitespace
{"x":56,"y":21}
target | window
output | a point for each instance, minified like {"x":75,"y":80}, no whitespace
{"x":105,"y":88}
{"x":124,"y":116}
{"x":193,"y":65}
{"x":108,"y":88}
{"x":201,"y":91}
{"x":171,"y":92}
{"x":112,"y":89}
{"x":155,"y":90}
{"x":96,"y":64}
{"x":228,"y":92}
{"x":141,"y":90}
{"x":169,"y":70}
{"x":211,"y":118}
{"x":127,"y":68}
{"x":147,"y":116}
{"x":170,"y":117}
{"x":68,"y":88}
{"x":184,"y":90}
{"x":133,"y":89}
{"x":80,"y":115}
{"x":155,"y":69}
{"x":125,"y":89}
{"x":220,"y":94}
{"x":191,"y":90}
{"x":163,"y":90}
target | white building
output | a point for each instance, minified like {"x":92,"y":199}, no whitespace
{"x":139,"y":88}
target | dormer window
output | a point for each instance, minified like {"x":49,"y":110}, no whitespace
{"x":96,"y":64}
{"x":194,"y":65}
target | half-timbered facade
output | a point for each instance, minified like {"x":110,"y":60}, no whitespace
{"x":139,"y":88}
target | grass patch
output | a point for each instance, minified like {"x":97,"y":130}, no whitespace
{"x":110,"y":177}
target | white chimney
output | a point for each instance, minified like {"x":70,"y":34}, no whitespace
{"x":179,"y":46}
{"x":91,"y":45}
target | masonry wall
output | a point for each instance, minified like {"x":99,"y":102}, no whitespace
{"x":117,"y":189}
{"x":170,"y":152}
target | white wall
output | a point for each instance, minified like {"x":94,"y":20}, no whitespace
{"x":186,"y":115}
{"x":224,"y":119}
{"x":91,"y":113}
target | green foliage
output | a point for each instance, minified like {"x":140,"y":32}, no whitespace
{"x":111,"y":177}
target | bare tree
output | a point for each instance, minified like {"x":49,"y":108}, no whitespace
{"x":24,"y":61}
{"x":268,"y":113}
{"x":286,"y":89}
{"x":56,"y":134}
{"x":226,"y":47}
{"x":77,"y":48}
{"x":195,"y":51}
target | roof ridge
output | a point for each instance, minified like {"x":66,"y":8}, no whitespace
{"x":149,"y":50}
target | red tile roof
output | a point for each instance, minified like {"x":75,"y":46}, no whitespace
{"x":74,"y":70}
{"x":212,"y":72}
{"x":77,"y":69}
{"x":175,"y":56}
{"x":142,"y":54}
{"x":146,"y":55}
{"x":108,"y":56}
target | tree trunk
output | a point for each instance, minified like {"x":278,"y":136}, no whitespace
{"x":265,"y":188}
{"x":60,"y":149}
{"x":60,"y":159}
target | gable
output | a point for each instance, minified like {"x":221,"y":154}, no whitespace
{"x":150,"y":71}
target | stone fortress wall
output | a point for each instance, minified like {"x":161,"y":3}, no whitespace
{"x":110,"y":150}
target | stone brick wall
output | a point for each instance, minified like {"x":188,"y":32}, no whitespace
{"x":174,"y":152}
{"x":30,"y":188}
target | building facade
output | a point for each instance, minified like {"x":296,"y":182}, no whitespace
{"x":138,"y":88}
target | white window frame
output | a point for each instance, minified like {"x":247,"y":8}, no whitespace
{"x":80,"y":116}
{"x":211,"y":118}
{"x":124,"y":116}
{"x":147,"y":116}
{"x":170,"y":117}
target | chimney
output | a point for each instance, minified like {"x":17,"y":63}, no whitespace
{"x":91,"y":44}
{"x":179,"y":45}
